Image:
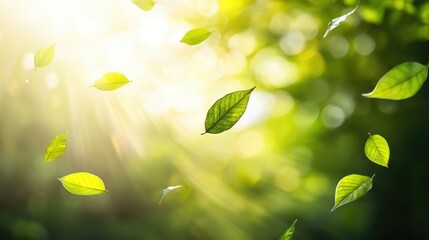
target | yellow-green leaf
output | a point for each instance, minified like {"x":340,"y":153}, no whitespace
{"x":226,"y":111}
{"x":167,"y":190}
{"x":195,"y":36}
{"x":377,"y":150}
{"x":288,"y":233}
{"x":351,"y":188}
{"x":145,"y":5}
{"x":83,"y":183}
{"x":44,"y":56}
{"x":56,"y":147}
{"x":401,"y":82}
{"x":111,"y":81}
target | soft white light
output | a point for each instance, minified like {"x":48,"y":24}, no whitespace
{"x":292,"y":43}
{"x":333,"y":116}
{"x":207,"y":8}
{"x":27,"y":61}
{"x":51,"y":80}
{"x":244,"y":42}
{"x":275,"y":71}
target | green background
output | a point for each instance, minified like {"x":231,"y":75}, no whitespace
{"x":304,"y":129}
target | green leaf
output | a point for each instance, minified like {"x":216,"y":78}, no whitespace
{"x":377,"y":150}
{"x":167,"y":190}
{"x":287,"y":234}
{"x":44,"y":56}
{"x":145,"y":5}
{"x":111,"y":81}
{"x":83,"y":183}
{"x":226,"y":111}
{"x":350,"y":188}
{"x":336,"y":21}
{"x":195,"y":36}
{"x":401,"y":82}
{"x":56,"y":147}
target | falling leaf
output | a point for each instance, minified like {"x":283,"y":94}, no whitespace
{"x":83,"y":183}
{"x":145,"y":5}
{"x":287,"y":234}
{"x":336,"y":21}
{"x":377,"y":150}
{"x":56,"y":147}
{"x":351,"y":188}
{"x":401,"y":82}
{"x":111,"y":81}
{"x":226,"y":111}
{"x":44,"y":56}
{"x":195,"y":36}
{"x":167,"y":190}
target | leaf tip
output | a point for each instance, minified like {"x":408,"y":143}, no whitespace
{"x":203,"y":133}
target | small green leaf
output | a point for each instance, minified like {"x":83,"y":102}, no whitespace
{"x":377,"y":150}
{"x":195,"y":36}
{"x":287,"y":234}
{"x":226,"y":111}
{"x":56,"y":147}
{"x":44,"y":56}
{"x":167,"y":190}
{"x":83,"y":183}
{"x":401,"y":82}
{"x":145,"y":5}
{"x":351,"y":188}
{"x":111,"y":81}
{"x":336,"y":21}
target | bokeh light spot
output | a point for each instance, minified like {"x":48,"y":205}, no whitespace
{"x":251,"y":143}
{"x":292,"y":43}
{"x":364,"y":44}
{"x":51,"y":80}
{"x":424,"y":13}
{"x":288,"y":179}
{"x":207,"y":8}
{"x":332,"y":116}
{"x":338,"y":46}
{"x":274,"y":70}
{"x":244,"y":42}
{"x":27,"y":61}
{"x":306,"y":114}
{"x":387,"y":107}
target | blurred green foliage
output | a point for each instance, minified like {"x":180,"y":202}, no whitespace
{"x":304,"y":129}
